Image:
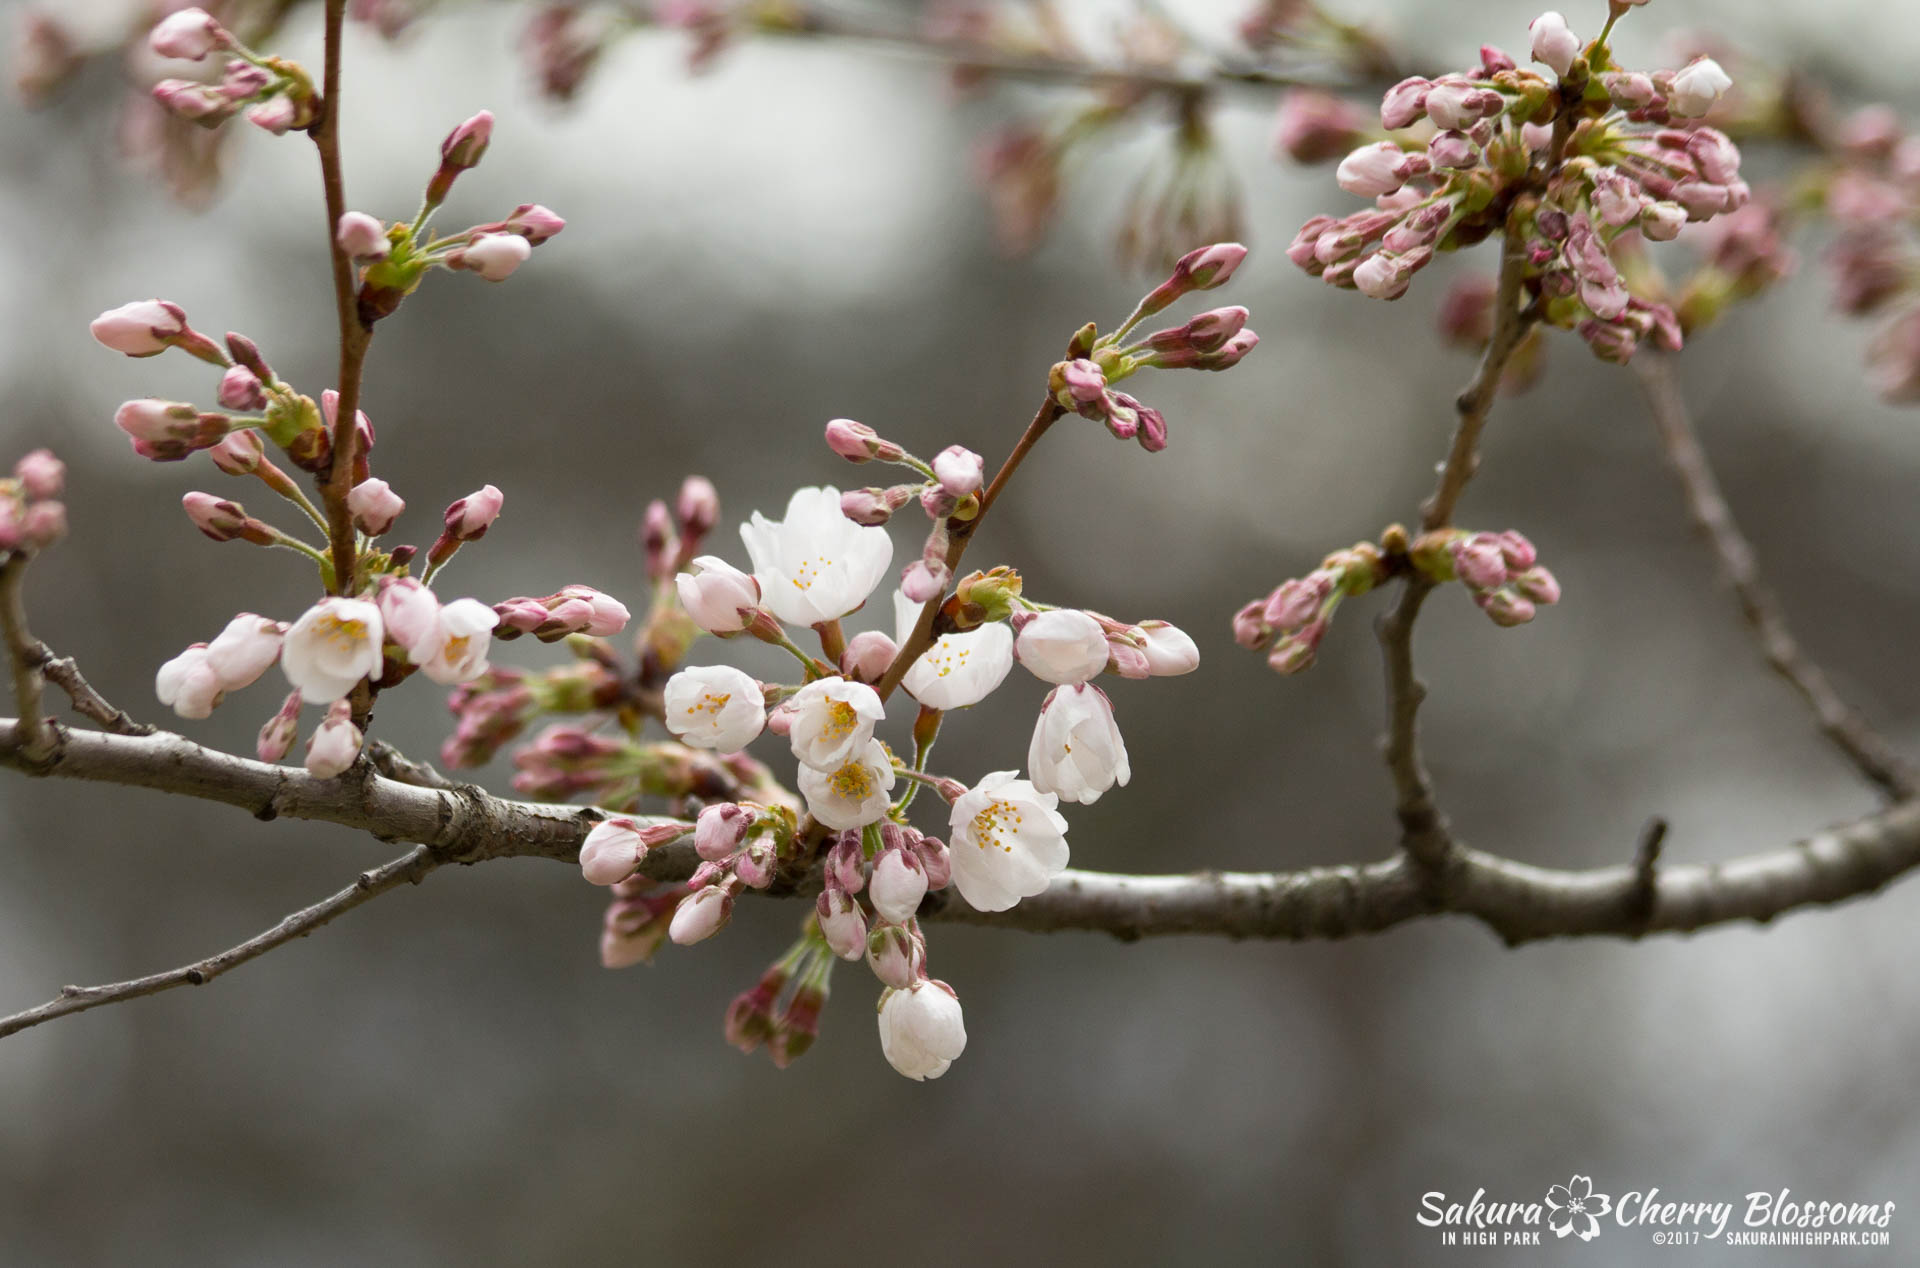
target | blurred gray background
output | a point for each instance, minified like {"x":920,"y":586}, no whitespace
{"x":448,"y":1076}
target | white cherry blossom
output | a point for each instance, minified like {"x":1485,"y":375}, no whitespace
{"x":815,"y":565}
{"x":852,"y":794}
{"x":332,"y":647}
{"x":716,"y":707}
{"x":245,"y":649}
{"x":922,"y":1031}
{"x":1062,"y":646}
{"x":832,"y":719}
{"x":189,"y":683}
{"x":1008,"y":841}
{"x":1077,"y":752}
{"x":457,"y":650}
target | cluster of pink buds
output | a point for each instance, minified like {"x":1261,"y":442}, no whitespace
{"x":1214,"y":340}
{"x":32,"y":517}
{"x":1500,"y":570}
{"x":570,"y":610}
{"x":1567,"y":168}
{"x":1290,"y":623}
{"x":394,"y":258}
{"x":277,"y":94}
{"x":1873,"y":196}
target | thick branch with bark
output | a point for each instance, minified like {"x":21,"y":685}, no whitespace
{"x":1518,"y":901}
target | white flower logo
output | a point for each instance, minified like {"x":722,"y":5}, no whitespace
{"x":1576,"y":1208}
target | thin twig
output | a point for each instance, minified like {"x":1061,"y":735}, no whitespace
{"x":1851,"y":733}
{"x":1519,"y":902}
{"x":959,"y":533}
{"x":1423,"y":828}
{"x":355,"y":335}
{"x":38,"y":737}
{"x":407,"y":869}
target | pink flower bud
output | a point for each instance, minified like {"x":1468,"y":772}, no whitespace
{"x":534,"y":223}
{"x":923,"y":580}
{"x":721,"y":830}
{"x":216,"y":517}
{"x":899,"y":883}
{"x":1404,"y":102}
{"x":1504,"y":607}
{"x":195,"y":102}
{"x":467,"y":144}
{"x":1373,"y":170}
{"x":1170,"y":652}
{"x":959,"y":470}
{"x":239,"y":454}
{"x":277,"y":736}
{"x":189,"y":34}
{"x":1553,"y":42}
{"x":1296,"y":602}
{"x":375,"y":506}
{"x":469,"y":518}
{"x":700,"y":915}
{"x":1517,"y":551}
{"x":140,"y":329}
{"x":244,"y":81}
{"x":841,"y":923}
{"x":935,"y":858}
{"x":43,"y":524}
{"x":1208,"y":267}
{"x":41,"y":474}
{"x":1479,"y":562}
{"x":893,"y":956}
{"x":1538,"y":585}
{"x":719,"y":597}
{"x":278,"y":115}
{"x":612,"y":851}
{"x":697,"y":508}
{"x":868,"y":656}
{"x":362,"y":237}
{"x":335,"y":744}
{"x":604,"y":614}
{"x":870,"y":507}
{"x":1315,"y":126}
{"x":756,"y":865}
{"x":845,"y":866}
{"x":1250,"y":628}
{"x":857,"y":442}
{"x":494,"y":256}
{"x":240,"y":389}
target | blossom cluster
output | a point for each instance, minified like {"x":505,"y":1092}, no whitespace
{"x":1570,"y":169}
{"x":1501,"y":571}
{"x":1872,"y":194}
{"x":950,"y":643}
{"x":32,"y":516}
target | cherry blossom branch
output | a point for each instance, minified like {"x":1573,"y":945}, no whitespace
{"x":355,"y":334}
{"x":1850,"y":732}
{"x":1424,"y":832}
{"x":960,"y":532}
{"x":37,"y":736}
{"x":409,"y":868}
{"x":1518,"y":901}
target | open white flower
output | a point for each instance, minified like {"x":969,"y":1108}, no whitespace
{"x":959,"y":669}
{"x":332,"y":647}
{"x":244,"y":650}
{"x":922,"y":1031}
{"x":1008,"y":841}
{"x":852,"y":794}
{"x":816,"y":565}
{"x":189,"y":683}
{"x":1077,"y":752}
{"x":1062,"y":646}
{"x":833,"y":720}
{"x":457,"y":650}
{"x":716,"y":707}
